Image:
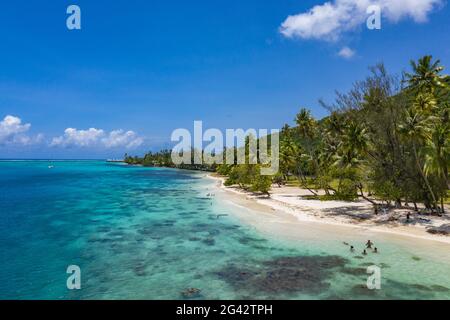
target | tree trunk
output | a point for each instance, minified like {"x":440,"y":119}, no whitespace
{"x":301,"y":178}
{"x":330,"y":188}
{"x":375,"y":205}
{"x":424,"y":176}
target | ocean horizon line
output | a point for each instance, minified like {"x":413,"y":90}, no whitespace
{"x":44,"y":159}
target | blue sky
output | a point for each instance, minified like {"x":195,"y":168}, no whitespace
{"x":149,"y":67}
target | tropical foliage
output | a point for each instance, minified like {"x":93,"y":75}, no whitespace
{"x":387,"y":140}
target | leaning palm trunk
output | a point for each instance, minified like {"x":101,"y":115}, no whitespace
{"x":302,"y":180}
{"x":424,"y":176}
{"x":375,"y":205}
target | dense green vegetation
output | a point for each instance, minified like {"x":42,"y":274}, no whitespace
{"x":164,"y":159}
{"x":387,"y":140}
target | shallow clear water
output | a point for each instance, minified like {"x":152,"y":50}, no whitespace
{"x":141,"y":233}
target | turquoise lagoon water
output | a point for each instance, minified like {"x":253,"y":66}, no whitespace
{"x":143,"y":233}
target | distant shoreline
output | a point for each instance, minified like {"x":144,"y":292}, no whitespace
{"x":60,"y":160}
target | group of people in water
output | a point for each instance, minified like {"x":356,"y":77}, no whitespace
{"x":369,"y":245}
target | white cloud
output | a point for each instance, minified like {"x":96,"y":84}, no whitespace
{"x":12,"y":131}
{"x":120,"y":138}
{"x":346,"y":53}
{"x":331,"y":19}
{"x":98,"y":138}
{"x":79,"y":138}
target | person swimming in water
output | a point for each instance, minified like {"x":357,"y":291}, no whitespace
{"x":369,"y":244}
{"x":352,"y":249}
{"x":375,"y":250}
{"x":364,"y":252}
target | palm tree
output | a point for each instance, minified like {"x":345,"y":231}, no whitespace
{"x":438,"y":152}
{"x":288,"y":152}
{"x":285,"y":131}
{"x":425,"y":102}
{"x":306,"y":124}
{"x":334,"y":124}
{"x":423,"y":82}
{"x":307,"y":129}
{"x":426,"y":75}
{"x":416,"y":128}
{"x":355,"y":139}
{"x":352,"y":147}
{"x":347,"y":159}
{"x":437,"y":158}
{"x":331,"y":139}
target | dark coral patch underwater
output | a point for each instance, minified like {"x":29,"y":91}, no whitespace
{"x":304,"y":274}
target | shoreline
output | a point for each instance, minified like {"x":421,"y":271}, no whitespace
{"x":287,"y":206}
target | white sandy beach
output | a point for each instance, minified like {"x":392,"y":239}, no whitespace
{"x":286,"y":208}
